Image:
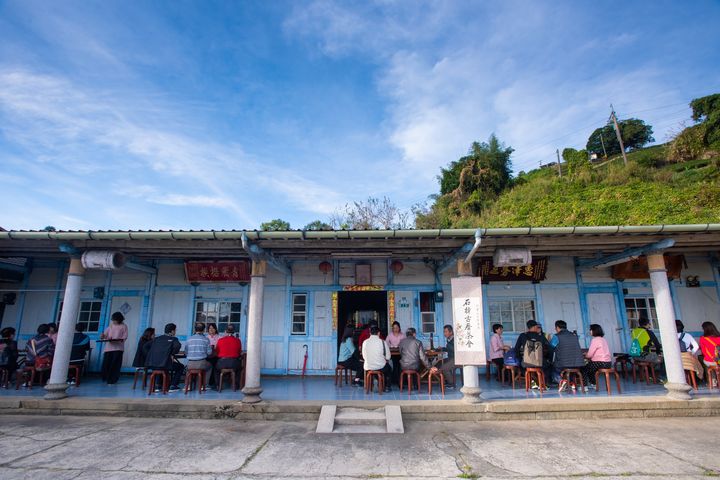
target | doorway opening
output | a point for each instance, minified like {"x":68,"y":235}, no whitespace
{"x":357,"y":309}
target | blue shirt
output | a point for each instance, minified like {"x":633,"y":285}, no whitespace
{"x":198,"y":347}
{"x":347,"y":348}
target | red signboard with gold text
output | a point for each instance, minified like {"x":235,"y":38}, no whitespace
{"x":221,"y":271}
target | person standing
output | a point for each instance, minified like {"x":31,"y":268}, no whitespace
{"x":498,"y":348}
{"x":198,"y":348}
{"x":115,"y":335}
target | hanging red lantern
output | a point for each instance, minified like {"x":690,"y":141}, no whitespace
{"x":396,"y":266}
{"x":325,"y":267}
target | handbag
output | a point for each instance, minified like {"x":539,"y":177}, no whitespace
{"x":41,"y":363}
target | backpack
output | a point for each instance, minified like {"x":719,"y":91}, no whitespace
{"x":4,"y":355}
{"x":635,"y":347}
{"x":510,"y":359}
{"x":533,"y":353}
{"x":683,"y":347}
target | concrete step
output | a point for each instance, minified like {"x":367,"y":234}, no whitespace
{"x":360,"y":416}
{"x":386,"y":419}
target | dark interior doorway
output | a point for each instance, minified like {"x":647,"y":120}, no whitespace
{"x":358,"y":308}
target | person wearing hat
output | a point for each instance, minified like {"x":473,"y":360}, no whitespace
{"x":533,"y":332}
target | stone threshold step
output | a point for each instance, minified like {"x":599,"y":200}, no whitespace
{"x":359,"y":420}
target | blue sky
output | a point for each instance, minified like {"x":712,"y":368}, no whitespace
{"x":200,"y":114}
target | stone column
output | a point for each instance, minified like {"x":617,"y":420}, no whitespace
{"x":676,"y":386}
{"x":57,"y":386}
{"x":252,"y":388}
{"x":471,"y":377}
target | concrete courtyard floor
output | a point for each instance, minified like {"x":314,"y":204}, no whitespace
{"x":60,"y":447}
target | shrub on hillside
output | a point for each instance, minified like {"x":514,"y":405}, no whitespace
{"x":688,"y":144}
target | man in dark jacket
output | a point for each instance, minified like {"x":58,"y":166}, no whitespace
{"x":161,"y":353}
{"x":80,"y":346}
{"x":533,"y":333}
{"x":412,"y":353}
{"x":448,"y":365}
{"x":567,"y":350}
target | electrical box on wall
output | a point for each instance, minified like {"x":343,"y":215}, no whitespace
{"x":512,"y":257}
{"x":439,"y":296}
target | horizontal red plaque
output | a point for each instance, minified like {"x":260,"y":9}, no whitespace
{"x":222,"y":271}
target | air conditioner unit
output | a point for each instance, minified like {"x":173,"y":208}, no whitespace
{"x":512,"y":257}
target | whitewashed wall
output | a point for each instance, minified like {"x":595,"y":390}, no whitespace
{"x":171,"y":306}
{"x":562,"y":304}
{"x":560,"y":270}
{"x":39,"y":308}
{"x":378,"y":271}
{"x":171,"y":274}
{"x":404,"y":307}
{"x":308,"y":273}
{"x":414,"y":273}
{"x":698,"y":305}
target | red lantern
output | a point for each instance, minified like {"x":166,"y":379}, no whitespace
{"x":325,"y":267}
{"x":396,"y":266}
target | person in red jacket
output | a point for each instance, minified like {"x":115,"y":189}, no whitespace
{"x":228,"y":351}
{"x":365,"y":334}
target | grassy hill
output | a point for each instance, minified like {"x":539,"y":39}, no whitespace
{"x":646,"y":191}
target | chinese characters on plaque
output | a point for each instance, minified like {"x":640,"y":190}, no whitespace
{"x":535,"y":272}
{"x":229,"y":271}
{"x":468,"y":322}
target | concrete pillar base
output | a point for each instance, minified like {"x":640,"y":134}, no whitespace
{"x":56,"y":391}
{"x":471,"y":394}
{"x":252,"y":394}
{"x":678,"y":391}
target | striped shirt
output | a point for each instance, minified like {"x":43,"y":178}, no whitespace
{"x":198,"y":347}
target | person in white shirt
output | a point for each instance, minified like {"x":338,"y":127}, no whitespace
{"x":690,"y":344}
{"x":376,"y":354}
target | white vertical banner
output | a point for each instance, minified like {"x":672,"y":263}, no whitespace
{"x":468,"y":321}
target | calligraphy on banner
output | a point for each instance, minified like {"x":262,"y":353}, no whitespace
{"x":334,"y":310}
{"x":391,"y":306}
{"x":535,"y":272}
{"x":221,"y":271}
{"x":468,"y":321}
{"x":363,"y":288}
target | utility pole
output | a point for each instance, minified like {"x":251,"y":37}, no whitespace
{"x":557,"y":151}
{"x":602,"y":142}
{"x":617,"y":132}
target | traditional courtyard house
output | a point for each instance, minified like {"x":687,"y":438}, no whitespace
{"x":289,"y":291}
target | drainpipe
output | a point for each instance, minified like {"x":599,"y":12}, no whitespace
{"x":478,"y":240}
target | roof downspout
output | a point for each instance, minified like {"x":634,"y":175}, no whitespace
{"x":478,"y":240}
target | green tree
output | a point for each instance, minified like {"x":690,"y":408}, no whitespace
{"x":275,"y":225}
{"x":706,"y":110}
{"x":575,"y":161}
{"x":317,"y":225}
{"x":635,"y":133}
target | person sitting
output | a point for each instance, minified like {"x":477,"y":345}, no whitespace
{"x":8,"y":351}
{"x":53,"y":332}
{"x":198,"y":348}
{"x":689,"y":349}
{"x":709,"y":343}
{"x":80,"y":346}
{"x":376,"y":354}
{"x":412,"y":352}
{"x":567,"y":352}
{"x":598,"y":355}
{"x":527,"y":358}
{"x":160,"y":355}
{"x":498,"y":348}
{"x":147,"y":337}
{"x":365,"y":334}
{"x":40,"y":346}
{"x":348,"y":354}
{"x":229,"y":349}
{"x":649,"y":345}
{"x":448,"y":365}
{"x":213,"y":336}
{"x":690,"y":345}
{"x":393,"y":340}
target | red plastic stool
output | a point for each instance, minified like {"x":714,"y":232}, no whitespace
{"x":440,"y":377}
{"x":540,"y":378}
{"x":607,"y":372}
{"x":165,"y":379}
{"x":195,"y":374}
{"x":369,"y":375}
{"x":409,"y":374}
{"x":77,"y":371}
{"x":231,"y":372}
